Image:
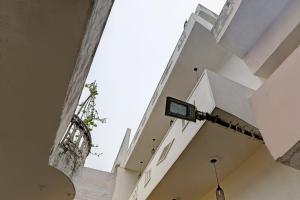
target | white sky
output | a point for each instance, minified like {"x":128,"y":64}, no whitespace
{"x":136,"y":45}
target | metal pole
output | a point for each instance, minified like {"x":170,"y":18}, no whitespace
{"x":216,"y":119}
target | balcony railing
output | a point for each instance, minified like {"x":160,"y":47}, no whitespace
{"x":74,"y":148}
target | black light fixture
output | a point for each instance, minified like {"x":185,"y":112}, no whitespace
{"x":180,"y":109}
{"x":186,"y":111}
{"x":220,"y":195}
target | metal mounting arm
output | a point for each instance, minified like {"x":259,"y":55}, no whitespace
{"x":216,"y":119}
{"x":186,"y":111}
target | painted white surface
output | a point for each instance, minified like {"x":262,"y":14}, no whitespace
{"x":237,"y":70}
{"x":119,"y":161}
{"x":206,"y":97}
{"x":276,"y":107}
{"x":180,"y":75}
{"x":274,"y":36}
{"x":180,"y":142}
{"x":230,"y":97}
{"x":262,"y":178}
{"x":94,"y":185}
{"x":250,"y":21}
{"x":125,"y":183}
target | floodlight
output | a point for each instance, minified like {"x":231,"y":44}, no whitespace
{"x":183,"y":110}
{"x":180,"y":109}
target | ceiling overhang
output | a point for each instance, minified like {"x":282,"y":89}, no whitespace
{"x":192,"y":175}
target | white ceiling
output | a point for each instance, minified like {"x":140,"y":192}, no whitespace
{"x":192,"y":175}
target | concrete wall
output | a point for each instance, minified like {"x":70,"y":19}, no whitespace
{"x":257,"y":58}
{"x":236,"y":69}
{"x":276,"y":108}
{"x":125,"y":183}
{"x":251,"y":20}
{"x":119,"y":161}
{"x":94,"y":185}
{"x":260,"y":177}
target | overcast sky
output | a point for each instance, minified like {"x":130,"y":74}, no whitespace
{"x":136,"y":45}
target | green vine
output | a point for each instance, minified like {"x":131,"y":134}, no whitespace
{"x":87,"y":109}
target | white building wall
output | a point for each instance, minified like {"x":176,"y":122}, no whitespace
{"x":93,"y":184}
{"x":206,"y":96}
{"x":125,"y":183}
{"x":237,"y":70}
{"x":180,"y":141}
{"x":259,"y":177}
{"x":276,"y":108}
{"x":262,"y":178}
{"x":270,"y":41}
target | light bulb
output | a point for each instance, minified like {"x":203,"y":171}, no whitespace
{"x":220,"y":193}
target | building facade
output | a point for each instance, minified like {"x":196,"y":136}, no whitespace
{"x":241,"y":65}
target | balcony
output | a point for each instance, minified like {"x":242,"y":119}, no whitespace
{"x":180,"y":168}
{"x":276,"y":109}
{"x":70,"y":155}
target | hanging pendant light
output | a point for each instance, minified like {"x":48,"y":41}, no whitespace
{"x":220,"y":195}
